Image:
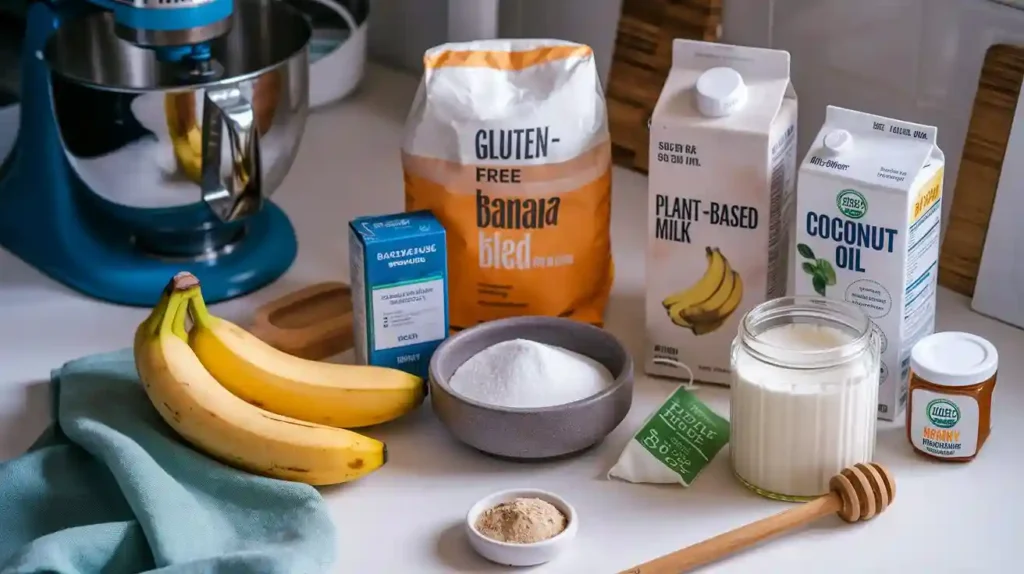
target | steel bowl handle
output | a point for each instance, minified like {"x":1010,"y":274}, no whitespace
{"x":240,"y":195}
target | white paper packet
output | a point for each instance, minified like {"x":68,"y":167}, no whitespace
{"x":674,"y":444}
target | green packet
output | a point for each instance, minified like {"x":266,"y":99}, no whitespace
{"x":674,"y":444}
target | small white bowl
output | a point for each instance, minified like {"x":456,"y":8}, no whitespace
{"x":532,"y":554}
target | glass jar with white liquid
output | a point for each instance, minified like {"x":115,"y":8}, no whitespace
{"x":804,"y":396}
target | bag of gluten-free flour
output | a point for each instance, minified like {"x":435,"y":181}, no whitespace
{"x":507,"y":144}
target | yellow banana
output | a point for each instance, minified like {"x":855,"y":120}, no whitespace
{"x":227,"y":428}
{"x":675,"y":313}
{"x":186,"y":137}
{"x":695,"y":313}
{"x":346,"y":396}
{"x":189,"y":161}
{"x":705,"y":287}
{"x":689,"y":315}
{"x":705,"y":328}
{"x":708,"y":314}
{"x":195,"y":142}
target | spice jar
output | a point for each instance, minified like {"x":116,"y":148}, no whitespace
{"x":952,"y":376}
{"x":804,"y":396}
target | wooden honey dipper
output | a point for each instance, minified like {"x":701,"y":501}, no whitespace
{"x":858,"y":493}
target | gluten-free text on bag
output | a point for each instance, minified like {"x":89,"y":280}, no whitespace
{"x":507,"y":144}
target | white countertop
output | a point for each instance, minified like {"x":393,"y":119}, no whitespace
{"x":408,"y":517}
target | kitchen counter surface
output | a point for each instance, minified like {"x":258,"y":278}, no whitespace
{"x":408,"y":517}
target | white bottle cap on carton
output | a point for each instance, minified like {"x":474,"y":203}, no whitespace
{"x":954,"y":359}
{"x":836,"y":140}
{"x":720,"y":92}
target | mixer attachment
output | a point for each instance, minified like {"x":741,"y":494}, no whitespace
{"x":241,"y":194}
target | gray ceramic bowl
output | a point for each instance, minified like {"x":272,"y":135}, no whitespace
{"x":532,"y":433}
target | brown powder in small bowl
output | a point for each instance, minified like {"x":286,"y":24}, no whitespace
{"x":522,"y":521}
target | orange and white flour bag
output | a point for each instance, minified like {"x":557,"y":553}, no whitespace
{"x":507,"y":144}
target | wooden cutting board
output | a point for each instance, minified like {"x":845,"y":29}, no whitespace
{"x":314,"y":322}
{"x":641,"y":61}
{"x":980,"y":165}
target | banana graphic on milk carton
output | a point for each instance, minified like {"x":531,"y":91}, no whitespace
{"x":721,"y":180}
{"x":704,"y":306}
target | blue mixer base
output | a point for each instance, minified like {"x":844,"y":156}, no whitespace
{"x":124,"y":275}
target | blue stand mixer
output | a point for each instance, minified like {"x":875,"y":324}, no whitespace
{"x":150,"y":134}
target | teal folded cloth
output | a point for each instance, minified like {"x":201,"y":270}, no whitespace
{"x":111,"y":489}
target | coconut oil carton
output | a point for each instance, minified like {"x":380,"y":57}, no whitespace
{"x":722,"y":171}
{"x":868,"y":207}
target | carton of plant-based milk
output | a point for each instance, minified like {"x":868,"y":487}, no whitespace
{"x":867,"y":231}
{"x":721,"y":177}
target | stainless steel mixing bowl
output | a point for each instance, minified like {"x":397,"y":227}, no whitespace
{"x":179,"y":158}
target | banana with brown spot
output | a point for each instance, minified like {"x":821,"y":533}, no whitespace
{"x":226,"y":427}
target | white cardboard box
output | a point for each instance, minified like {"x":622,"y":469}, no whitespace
{"x":869,"y":204}
{"x":721,"y":176}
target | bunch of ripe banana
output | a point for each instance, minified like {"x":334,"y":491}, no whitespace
{"x":707,"y":304}
{"x":249,"y":405}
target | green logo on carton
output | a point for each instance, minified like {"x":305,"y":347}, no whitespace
{"x":943,"y":413}
{"x":852,"y":204}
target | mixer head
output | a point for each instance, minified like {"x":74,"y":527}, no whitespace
{"x":176,"y":30}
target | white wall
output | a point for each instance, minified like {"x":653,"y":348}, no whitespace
{"x":400,"y":30}
{"x":916,"y":60}
{"x":590,"y":22}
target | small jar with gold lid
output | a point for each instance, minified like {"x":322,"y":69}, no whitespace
{"x":952,"y":378}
